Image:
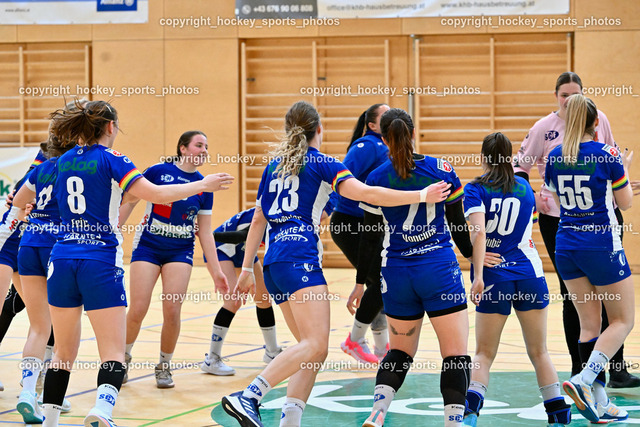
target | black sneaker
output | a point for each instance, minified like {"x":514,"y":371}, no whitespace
{"x":622,"y":379}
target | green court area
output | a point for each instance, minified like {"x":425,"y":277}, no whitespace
{"x":513,"y":399}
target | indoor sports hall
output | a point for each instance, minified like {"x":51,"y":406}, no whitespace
{"x":232,"y":70}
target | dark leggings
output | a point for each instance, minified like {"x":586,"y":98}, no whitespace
{"x":548,"y":229}
{"x":346,"y":232}
{"x":12,"y":305}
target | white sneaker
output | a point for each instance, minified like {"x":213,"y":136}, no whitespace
{"x":97,"y":418}
{"x":376,"y":419}
{"x":29,"y":408}
{"x":268,"y":356}
{"x":66,"y":405}
{"x":214,"y":365}
{"x":164,"y":377}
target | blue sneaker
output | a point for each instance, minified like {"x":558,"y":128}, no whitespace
{"x":610,"y":413}
{"x":243,"y":409}
{"x":470,"y":420}
{"x":581,"y":394}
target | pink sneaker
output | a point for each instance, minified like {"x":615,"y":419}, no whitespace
{"x":381,"y":354}
{"x":359,"y":350}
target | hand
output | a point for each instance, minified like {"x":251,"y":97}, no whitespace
{"x":635,"y":186}
{"x":438,"y":192}
{"x":217,"y":181}
{"x":355,"y":298}
{"x":492,"y":259}
{"x":476,"y":290}
{"x":246,"y":285}
{"x":220,"y":282}
{"x":542,"y":204}
{"x":627,"y":157}
{"x":8,"y":202}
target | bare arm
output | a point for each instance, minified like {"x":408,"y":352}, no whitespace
{"x":205,"y":236}
{"x":24,"y":197}
{"x":246,"y":280}
{"x":380,"y":196}
{"x":125,"y":211}
{"x":479,"y":238}
{"x":144,"y":189}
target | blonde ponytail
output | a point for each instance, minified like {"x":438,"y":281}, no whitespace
{"x":581,"y":116}
{"x":301,"y":123}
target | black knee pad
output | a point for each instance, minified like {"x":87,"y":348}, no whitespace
{"x":454,"y":379}
{"x":393,"y":369}
{"x":112,"y":373}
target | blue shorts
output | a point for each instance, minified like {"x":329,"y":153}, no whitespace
{"x":524,"y":295}
{"x":236,"y":259}
{"x":282,"y":279}
{"x":33,"y":261}
{"x":94,"y":284}
{"x":600,"y":267}
{"x":435,"y":288}
{"x":161,"y":256}
{"x":9,"y":256}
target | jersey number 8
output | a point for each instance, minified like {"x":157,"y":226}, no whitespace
{"x":75,"y":199}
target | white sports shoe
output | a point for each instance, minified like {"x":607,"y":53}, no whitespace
{"x":29,"y":408}
{"x":66,"y":405}
{"x":97,"y":418}
{"x":268,"y":356}
{"x":214,"y":365}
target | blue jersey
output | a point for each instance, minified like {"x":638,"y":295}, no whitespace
{"x":509,"y":220}
{"x":293,"y":207}
{"x":585,"y":190}
{"x":40,"y":158}
{"x":44,"y":219}
{"x":237,"y":222}
{"x":364,"y":155}
{"x":171,"y":226}
{"x":89,"y":191}
{"x":11,"y":227}
{"x":414,"y":232}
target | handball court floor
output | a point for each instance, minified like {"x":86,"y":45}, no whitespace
{"x":343,"y":391}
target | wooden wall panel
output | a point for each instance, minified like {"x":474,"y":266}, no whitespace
{"x":214,"y":110}
{"x":58,"y":33}
{"x":8,"y":33}
{"x":203,"y":11}
{"x":134,"y":64}
{"x":151,"y":30}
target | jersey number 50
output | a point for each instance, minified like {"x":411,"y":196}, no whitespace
{"x":290,"y":203}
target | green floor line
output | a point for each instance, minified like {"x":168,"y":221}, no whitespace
{"x":180,"y":414}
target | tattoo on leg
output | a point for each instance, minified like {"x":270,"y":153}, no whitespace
{"x":394,"y":331}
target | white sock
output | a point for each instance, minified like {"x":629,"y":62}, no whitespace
{"x":217,"y":339}
{"x":31,"y":367}
{"x":380,"y":340}
{"x":453,"y":415}
{"x":129,"y":348}
{"x":270,"y":340}
{"x":600,"y":394}
{"x":550,"y":391}
{"x":48,"y":354}
{"x":292,"y":412}
{"x":165,"y":358}
{"x":51,"y":414}
{"x":382,"y":397}
{"x":358,"y":331}
{"x":596,"y":363}
{"x":258,"y":388}
{"x":106,"y":396}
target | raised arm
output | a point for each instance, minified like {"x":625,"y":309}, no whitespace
{"x":380,"y":196}
{"x":144,"y":189}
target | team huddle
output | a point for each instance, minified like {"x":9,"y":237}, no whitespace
{"x":60,"y":242}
